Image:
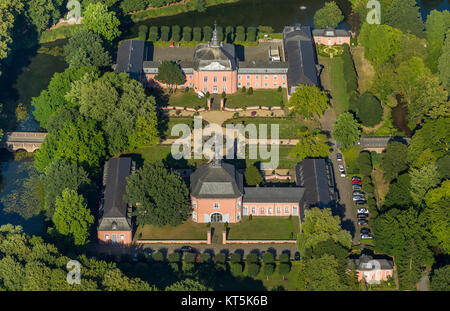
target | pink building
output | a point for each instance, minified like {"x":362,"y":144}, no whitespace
{"x":218,"y":195}
{"x":331,"y":36}
{"x":371,"y":270}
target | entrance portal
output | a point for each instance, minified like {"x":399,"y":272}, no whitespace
{"x":216,"y":217}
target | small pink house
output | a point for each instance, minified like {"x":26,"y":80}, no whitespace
{"x":331,"y":36}
{"x":371,"y":270}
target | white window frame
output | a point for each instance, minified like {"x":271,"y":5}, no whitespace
{"x":106,"y":237}
{"x":239,"y":84}
{"x":122,"y":237}
{"x":253,"y":210}
{"x":261,"y":210}
{"x":269,"y":211}
{"x":286,"y":210}
{"x":224,"y":88}
{"x":215,"y":79}
{"x":224,"y":79}
{"x":194,"y":204}
{"x":248,"y":77}
{"x":239,"y":77}
{"x":194,"y":215}
{"x":205,"y":79}
{"x":266,"y":77}
{"x":216,"y":205}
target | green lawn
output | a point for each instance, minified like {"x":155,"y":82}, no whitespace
{"x":351,"y":159}
{"x":264,"y":228}
{"x":258,"y":98}
{"x":288,"y":127}
{"x":183,"y":99}
{"x":276,"y":281}
{"x":172,"y":121}
{"x":338,"y":87}
{"x":188,"y":230}
{"x":285,"y":160}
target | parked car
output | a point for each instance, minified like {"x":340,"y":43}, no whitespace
{"x":365,"y":230}
{"x":343,"y":174}
{"x":339,"y":157}
{"x":358,"y":197}
{"x":357,"y":192}
{"x":361,"y":202}
{"x":356,"y":182}
{"x":366,"y":236}
{"x":356,"y":178}
{"x":362,"y":215}
{"x":356,"y":187}
{"x":363,"y":210}
{"x":297,"y":256}
{"x":341,"y":167}
{"x":197,"y":258}
{"x":186,"y":249}
{"x":363,"y":222}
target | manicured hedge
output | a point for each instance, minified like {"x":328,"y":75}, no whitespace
{"x":369,"y":109}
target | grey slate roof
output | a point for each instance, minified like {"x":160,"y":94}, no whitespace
{"x":380,"y":141}
{"x":214,"y":180}
{"x":130,"y":55}
{"x":300,"y":55}
{"x":330,"y":32}
{"x":206,"y":55}
{"x":362,"y":263}
{"x":262,"y":67}
{"x":272,"y":194}
{"x":114,"y":208}
{"x":314,"y":176}
{"x":152,"y":66}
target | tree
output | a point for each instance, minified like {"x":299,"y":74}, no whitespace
{"x":310,"y":146}
{"x":251,"y":34}
{"x":9,"y":11}
{"x":240,"y":33}
{"x":437,"y":212}
{"x":308,"y":101}
{"x":407,"y":77}
{"x":328,"y":16}
{"x":383,"y":81}
{"x":269,"y":269}
{"x":165,"y":33}
{"x":346,"y":130}
{"x":85,"y":48}
{"x":394,"y":160}
{"x":187,"y":33}
{"x":444,"y":60}
{"x":199,"y":5}
{"x":53,"y":98}
{"x":431,"y":100}
{"x":381,"y":42}
{"x":405,"y":15}
{"x":252,"y":175}
{"x":170,"y":73}
{"x":436,"y":26}
{"x":128,"y":6}
{"x":399,"y":195}
{"x":444,"y":167}
{"x":72,"y":217}
{"x":43,"y":13}
{"x":161,"y":197}
{"x":319,"y":225}
{"x":423,"y":179}
{"x":236,"y":269}
{"x":434,"y":135}
{"x":268,"y":258}
{"x":284,"y":269}
{"x":60,"y":175}
{"x":153,"y":34}
{"x":253,"y":269}
{"x":176,"y":33}
{"x":97,"y":18}
{"x":187,"y":285}
{"x":197,"y":34}
{"x":207,"y":33}
{"x":369,"y":109}
{"x":320,"y":274}
{"x":440,"y":279}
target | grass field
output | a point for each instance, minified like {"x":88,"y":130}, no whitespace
{"x":183,"y":99}
{"x":351,"y":159}
{"x":276,"y":281}
{"x":288,"y":127}
{"x":338,"y":87}
{"x":167,"y":125}
{"x":363,"y":68}
{"x":265,"y":228}
{"x":258,"y":98}
{"x":188,"y":230}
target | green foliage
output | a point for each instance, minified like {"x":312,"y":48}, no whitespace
{"x":205,"y":258}
{"x":444,"y":167}
{"x":197,"y":34}
{"x":319,"y":225}
{"x":284,"y":269}
{"x":165,"y":33}
{"x":253,"y":269}
{"x":284,"y":257}
{"x":236,"y":269}
{"x":157,"y":256}
{"x":423,"y":179}
{"x":444,"y":60}
{"x":9,"y":11}
{"x":189,"y":258}
{"x":308,"y":101}
{"x":72,"y":217}
{"x":250,"y":91}
{"x":174,"y":257}
{"x":381,"y":42}
{"x":251,"y":34}
{"x":437,"y":213}
{"x":97,"y":18}
{"x":220,"y":258}
{"x":187,"y":285}
{"x":365,"y":163}
{"x":161,"y":197}
{"x":399,"y":195}
{"x":310,"y":145}
{"x":394,"y":160}
{"x":153,"y":34}
{"x":187,"y":33}
{"x":44,"y":13}
{"x":236,"y":258}
{"x":383,"y":81}
{"x":53,"y":98}
{"x":405,"y":15}
{"x":268,"y":258}
{"x":176,"y":33}
{"x":349,"y":71}
{"x":346,"y":130}
{"x":320,"y":274}
{"x":207,"y":33}
{"x":252,"y":258}
{"x":369,"y":109}
{"x":170,"y":73}
{"x":85,"y":48}
{"x":328,"y":16}
{"x":240,"y":33}
{"x":128,"y":6}
{"x":440,"y":279}
{"x":252,"y":175}
{"x":268,"y":269}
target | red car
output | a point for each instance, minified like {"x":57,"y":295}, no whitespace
{"x":356,"y":182}
{"x":197,"y":257}
{"x":363,"y":222}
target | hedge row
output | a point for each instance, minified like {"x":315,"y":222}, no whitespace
{"x":175,"y":33}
